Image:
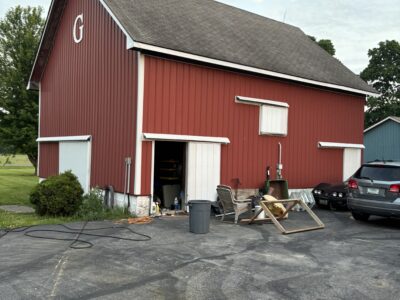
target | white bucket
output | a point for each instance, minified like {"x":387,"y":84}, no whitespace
{"x":262,"y":213}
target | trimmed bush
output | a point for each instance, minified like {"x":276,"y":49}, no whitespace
{"x":59,"y":195}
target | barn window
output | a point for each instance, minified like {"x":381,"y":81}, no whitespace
{"x":273,"y":115}
{"x":273,"y":120}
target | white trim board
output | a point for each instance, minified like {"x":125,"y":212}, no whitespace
{"x":64,"y":138}
{"x":255,"y":101}
{"x":340,"y":145}
{"x":153,"y":157}
{"x":143,"y":46}
{"x":185,"y":138}
{"x":139,"y":124}
{"x":397,"y":120}
{"x":38,"y":145}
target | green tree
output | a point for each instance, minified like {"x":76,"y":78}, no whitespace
{"x":20,"y":32}
{"x":325,"y":44}
{"x":383,"y":72}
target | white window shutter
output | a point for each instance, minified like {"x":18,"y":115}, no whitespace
{"x":273,"y":120}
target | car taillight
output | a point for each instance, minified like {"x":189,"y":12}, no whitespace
{"x":394,"y":188}
{"x":352,"y":184}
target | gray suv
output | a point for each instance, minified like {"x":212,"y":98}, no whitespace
{"x":375,"y":190}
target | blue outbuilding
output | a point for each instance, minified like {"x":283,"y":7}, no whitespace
{"x":382,"y":140}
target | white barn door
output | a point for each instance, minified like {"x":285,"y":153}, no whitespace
{"x":76,"y":156}
{"x":203,"y":169}
{"x":351,"y":161}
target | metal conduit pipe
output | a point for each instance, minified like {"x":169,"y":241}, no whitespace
{"x":279,"y":166}
{"x":128,"y":188}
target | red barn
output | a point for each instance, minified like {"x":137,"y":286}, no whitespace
{"x":160,"y":97}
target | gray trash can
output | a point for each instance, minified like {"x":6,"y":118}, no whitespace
{"x":199,"y":216}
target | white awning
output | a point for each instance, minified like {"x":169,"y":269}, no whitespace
{"x":256,"y":101}
{"x":340,"y":145}
{"x":185,"y":138}
{"x":64,"y":138}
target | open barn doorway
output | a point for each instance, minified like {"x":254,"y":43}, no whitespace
{"x":169,"y":174}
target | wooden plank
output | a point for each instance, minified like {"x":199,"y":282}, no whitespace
{"x":255,"y":216}
{"x":312,"y":214}
{"x":302,"y":229}
{"x":271,"y":215}
{"x":293,"y":202}
{"x":249,"y":221}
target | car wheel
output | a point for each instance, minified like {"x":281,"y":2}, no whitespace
{"x":331,"y":206}
{"x":360,"y":216}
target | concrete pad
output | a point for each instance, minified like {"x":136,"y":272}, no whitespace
{"x":19,"y":209}
{"x":347,"y":260}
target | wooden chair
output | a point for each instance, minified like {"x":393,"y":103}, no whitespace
{"x":229,"y":203}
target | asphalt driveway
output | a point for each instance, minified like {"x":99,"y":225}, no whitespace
{"x":347,"y":260}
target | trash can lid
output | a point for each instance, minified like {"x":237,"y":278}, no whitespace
{"x":200,"y":201}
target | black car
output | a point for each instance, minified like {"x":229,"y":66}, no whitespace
{"x":333,"y":196}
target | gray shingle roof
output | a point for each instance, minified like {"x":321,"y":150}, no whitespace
{"x":215,"y":30}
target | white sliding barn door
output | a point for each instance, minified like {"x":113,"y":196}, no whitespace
{"x":203,"y":169}
{"x":351,"y":161}
{"x":76,"y":156}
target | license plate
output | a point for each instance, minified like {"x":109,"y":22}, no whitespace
{"x":373,"y":191}
{"x":323,"y":202}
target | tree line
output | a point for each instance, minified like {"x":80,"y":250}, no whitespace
{"x":20,"y":32}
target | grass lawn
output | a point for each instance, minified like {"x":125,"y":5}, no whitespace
{"x":16,"y":184}
{"x":11,"y":220}
{"x":15,"y":160}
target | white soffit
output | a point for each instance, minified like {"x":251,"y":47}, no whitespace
{"x":65,"y":138}
{"x":340,"y":145}
{"x":185,"y":138}
{"x":256,"y":101}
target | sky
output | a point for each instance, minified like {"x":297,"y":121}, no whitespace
{"x":354,"y":26}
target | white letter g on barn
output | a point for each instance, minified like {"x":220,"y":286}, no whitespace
{"x":78,"y":37}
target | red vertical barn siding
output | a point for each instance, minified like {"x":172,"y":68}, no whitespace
{"x":90,"y":89}
{"x":187,"y":99}
{"x":48,"y":159}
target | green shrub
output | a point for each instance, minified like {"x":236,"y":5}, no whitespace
{"x":59,"y":195}
{"x":92,"y":206}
